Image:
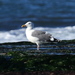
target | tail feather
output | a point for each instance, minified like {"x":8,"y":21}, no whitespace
{"x":52,"y":39}
{"x":56,"y":40}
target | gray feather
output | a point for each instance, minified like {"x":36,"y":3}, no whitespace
{"x":37,"y":32}
{"x":42,"y":35}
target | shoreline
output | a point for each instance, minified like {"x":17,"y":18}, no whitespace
{"x":20,"y":58}
{"x":60,"y":48}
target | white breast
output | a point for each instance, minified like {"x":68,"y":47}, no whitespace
{"x":30,"y":37}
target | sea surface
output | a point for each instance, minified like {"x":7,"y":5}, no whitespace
{"x":57,"y":17}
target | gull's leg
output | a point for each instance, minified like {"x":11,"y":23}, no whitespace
{"x":38,"y":47}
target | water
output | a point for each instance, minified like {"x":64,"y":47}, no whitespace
{"x":64,"y":33}
{"x":55,"y":17}
{"x":61,"y":48}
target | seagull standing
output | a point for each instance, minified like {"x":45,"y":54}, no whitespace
{"x":36,"y":36}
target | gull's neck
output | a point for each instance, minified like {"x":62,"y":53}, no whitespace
{"x":28,"y":31}
{"x":29,"y":28}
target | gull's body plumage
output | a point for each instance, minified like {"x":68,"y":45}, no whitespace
{"x":36,"y":36}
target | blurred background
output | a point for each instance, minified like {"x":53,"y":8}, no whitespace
{"x":57,"y":17}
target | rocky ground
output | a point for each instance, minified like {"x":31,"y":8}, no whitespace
{"x":22,"y":58}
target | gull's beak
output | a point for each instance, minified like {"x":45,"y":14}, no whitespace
{"x":23,"y":26}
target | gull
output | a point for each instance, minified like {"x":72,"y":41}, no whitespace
{"x":36,"y":36}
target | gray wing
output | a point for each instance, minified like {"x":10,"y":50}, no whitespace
{"x":42,"y":35}
{"x":37,"y":32}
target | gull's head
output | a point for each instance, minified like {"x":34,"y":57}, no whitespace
{"x":28,"y":24}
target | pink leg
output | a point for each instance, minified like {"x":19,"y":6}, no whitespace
{"x":38,"y":47}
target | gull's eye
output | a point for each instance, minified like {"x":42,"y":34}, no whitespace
{"x":29,"y":23}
